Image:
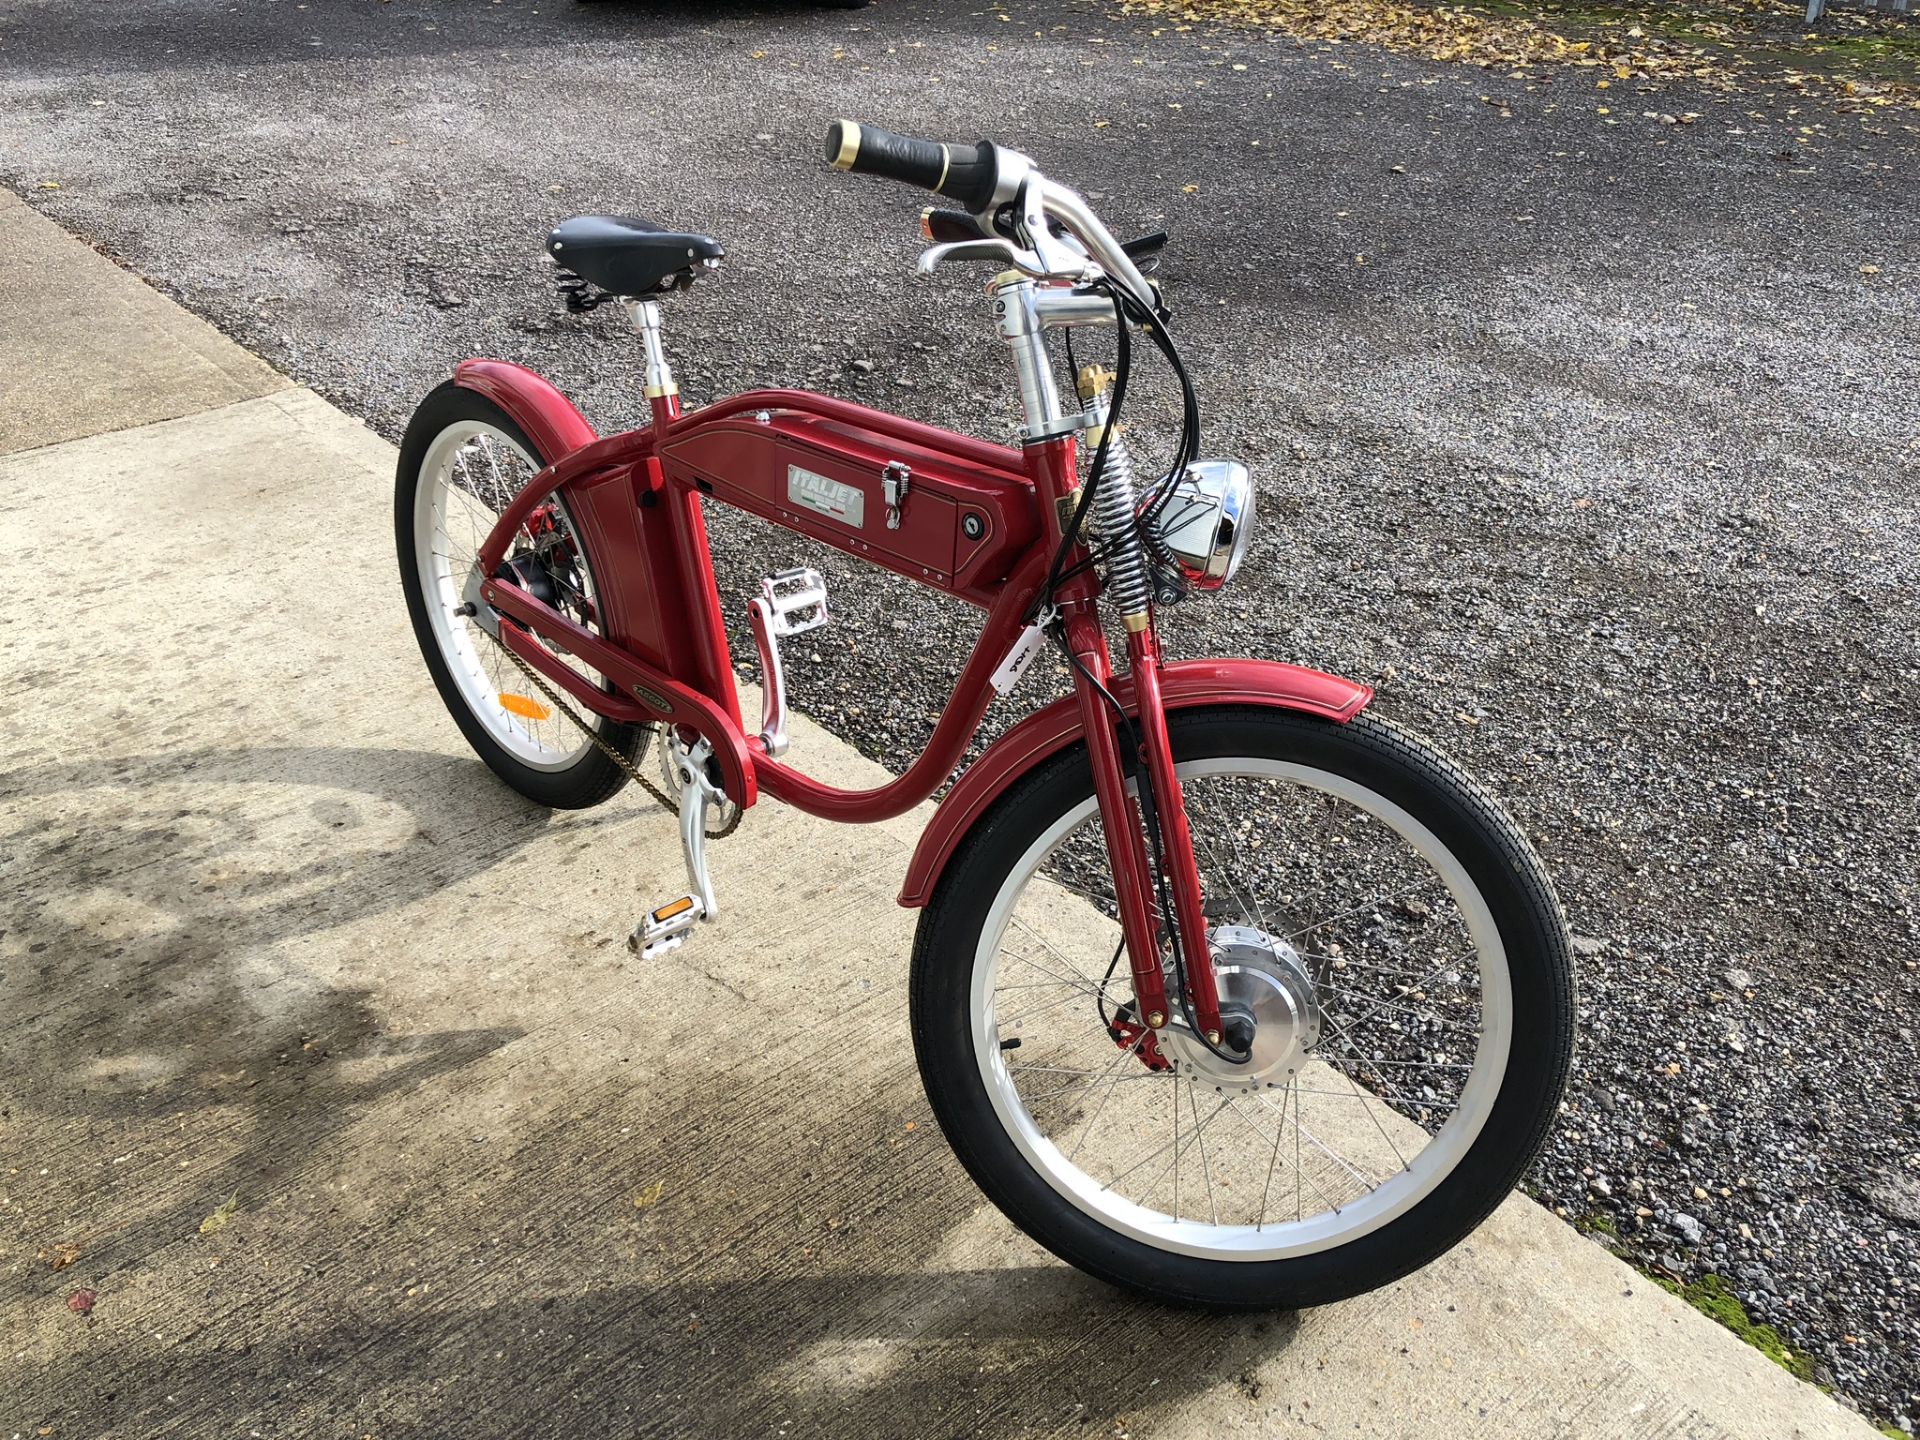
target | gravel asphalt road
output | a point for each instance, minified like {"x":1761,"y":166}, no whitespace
{"x":1590,"y":439}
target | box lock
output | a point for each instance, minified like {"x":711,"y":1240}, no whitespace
{"x":894,"y":481}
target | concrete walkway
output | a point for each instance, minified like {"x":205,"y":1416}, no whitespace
{"x":327,"y":1077}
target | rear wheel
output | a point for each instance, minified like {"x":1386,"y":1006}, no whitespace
{"x":462,"y":461}
{"x":1392,"y":937}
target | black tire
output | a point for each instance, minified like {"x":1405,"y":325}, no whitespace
{"x":593,"y":777}
{"x":1392,"y":764}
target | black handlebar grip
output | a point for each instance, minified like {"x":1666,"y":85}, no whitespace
{"x":967,"y":173}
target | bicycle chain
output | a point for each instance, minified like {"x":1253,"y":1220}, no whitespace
{"x":626,"y":766}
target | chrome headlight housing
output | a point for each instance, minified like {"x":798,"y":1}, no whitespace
{"x":1203,"y":525}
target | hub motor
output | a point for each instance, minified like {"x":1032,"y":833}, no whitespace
{"x":1263,"y":979}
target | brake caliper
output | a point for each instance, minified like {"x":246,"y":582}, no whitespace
{"x":1128,"y":1033}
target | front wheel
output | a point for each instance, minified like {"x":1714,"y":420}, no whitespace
{"x":1402,"y":956}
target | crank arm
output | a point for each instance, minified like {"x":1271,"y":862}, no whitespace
{"x":666,"y":928}
{"x":697,"y":792}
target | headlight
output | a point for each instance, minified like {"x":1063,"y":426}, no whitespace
{"x":1204,"y":524}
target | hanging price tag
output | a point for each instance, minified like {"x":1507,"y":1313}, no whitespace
{"x":1019,"y":658}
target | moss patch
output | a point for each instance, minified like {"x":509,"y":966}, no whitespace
{"x":1712,"y":1297}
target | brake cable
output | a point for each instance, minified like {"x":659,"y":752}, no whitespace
{"x":1096,"y":474}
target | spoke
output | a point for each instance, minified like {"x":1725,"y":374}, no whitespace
{"x":1174,"y":1163}
{"x":1374,"y":1116}
{"x":1272,"y":1160}
{"x":1320,"y":1145}
{"x":1346,"y":1029}
{"x":1338,"y":963}
{"x":1299,"y":1172}
{"x":1051,"y":1005}
{"x":1249,"y":907}
{"x":1407,"y":1064}
{"x":1091,"y":1085}
{"x":1398,"y":1005}
{"x":1176,"y":1148}
{"x":1055,"y":950}
{"x":1127,"y":1053}
{"x":1098,"y":897}
{"x":1373,"y":904}
{"x":1073,"y":977}
{"x":1206,"y":1170}
{"x":1391,"y":1096}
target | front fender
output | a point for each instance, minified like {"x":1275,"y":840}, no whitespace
{"x":1184,"y":684}
{"x":549,"y":419}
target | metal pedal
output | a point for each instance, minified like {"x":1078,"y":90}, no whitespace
{"x":790,"y":603}
{"x":796,"y":601}
{"x":666,"y":928}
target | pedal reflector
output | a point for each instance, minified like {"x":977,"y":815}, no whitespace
{"x":525,"y":708}
{"x":673,"y":908}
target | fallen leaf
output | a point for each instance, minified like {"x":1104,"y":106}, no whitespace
{"x":63,"y":1256}
{"x":650,"y":1195}
{"x":81,"y":1303}
{"x":219,"y":1218}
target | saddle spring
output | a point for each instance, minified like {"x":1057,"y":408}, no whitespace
{"x":579,"y":295}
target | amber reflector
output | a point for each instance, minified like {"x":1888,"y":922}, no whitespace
{"x":523,"y":707}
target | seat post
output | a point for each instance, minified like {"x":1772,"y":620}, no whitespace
{"x":645,"y":315}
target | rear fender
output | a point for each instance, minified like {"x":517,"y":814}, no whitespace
{"x":1185,"y":685}
{"x":547,"y":417}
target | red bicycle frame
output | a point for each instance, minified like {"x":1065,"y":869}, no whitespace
{"x":978,"y":521}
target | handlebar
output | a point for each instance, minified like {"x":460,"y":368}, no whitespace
{"x":1048,"y":229}
{"x":969,"y":174}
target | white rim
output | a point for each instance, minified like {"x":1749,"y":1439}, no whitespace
{"x":1411,"y":1178}
{"x":450,"y":522}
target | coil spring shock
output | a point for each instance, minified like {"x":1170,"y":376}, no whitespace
{"x":1113,"y":504}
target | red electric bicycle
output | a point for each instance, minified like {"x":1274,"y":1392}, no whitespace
{"x":1224,"y":989}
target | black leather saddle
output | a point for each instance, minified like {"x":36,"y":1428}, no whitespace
{"x":625,"y":256}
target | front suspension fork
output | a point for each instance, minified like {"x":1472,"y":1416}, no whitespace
{"x":1135,"y":889}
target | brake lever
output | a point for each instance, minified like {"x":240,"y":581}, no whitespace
{"x":1144,"y":250}
{"x":1001,"y":252}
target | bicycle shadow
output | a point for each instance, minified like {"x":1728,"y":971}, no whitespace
{"x":1007,"y":1353}
{"x":147,"y":978}
{"x":149,"y":916}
